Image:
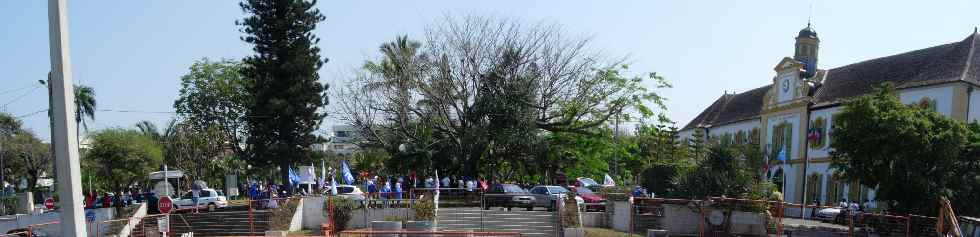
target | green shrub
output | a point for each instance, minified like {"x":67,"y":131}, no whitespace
{"x":280,"y":217}
{"x":570,"y":215}
{"x":425,"y":209}
{"x":342,"y":211}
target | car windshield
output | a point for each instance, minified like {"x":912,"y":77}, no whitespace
{"x":588,"y":182}
{"x":510,"y":188}
{"x":557,"y":190}
{"x":345,"y":190}
{"x":583,"y":191}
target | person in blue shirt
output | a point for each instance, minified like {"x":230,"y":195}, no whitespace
{"x":639,"y":192}
{"x":398,"y":190}
{"x":385,"y":192}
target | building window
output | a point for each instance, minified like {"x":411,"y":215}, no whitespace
{"x":782,"y":140}
{"x":814,"y":184}
{"x":341,"y":134}
{"x":926,"y":103}
{"x":816,"y":134}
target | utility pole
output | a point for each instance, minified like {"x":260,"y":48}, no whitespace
{"x":63,"y":107}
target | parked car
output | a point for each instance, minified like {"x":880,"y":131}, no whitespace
{"x":836,"y":215}
{"x":592,"y":200}
{"x":547,"y":196}
{"x":208,"y":198}
{"x":509,"y":196}
{"x":347,"y":191}
{"x":587,"y":183}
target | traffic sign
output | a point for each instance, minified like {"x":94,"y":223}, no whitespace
{"x":163,"y":224}
{"x":89,"y":215}
{"x":49,"y":203}
{"x":165,"y":204}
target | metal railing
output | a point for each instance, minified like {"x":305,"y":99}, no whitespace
{"x":423,"y":233}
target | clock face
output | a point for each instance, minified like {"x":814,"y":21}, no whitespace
{"x":785,"y":85}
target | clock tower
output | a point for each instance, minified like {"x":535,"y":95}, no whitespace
{"x":807,"y":45}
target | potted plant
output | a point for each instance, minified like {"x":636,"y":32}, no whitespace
{"x":424,"y":219}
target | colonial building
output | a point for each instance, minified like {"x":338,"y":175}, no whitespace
{"x":791,"y":117}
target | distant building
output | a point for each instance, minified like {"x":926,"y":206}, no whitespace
{"x":793,"y":115}
{"x":343,"y":140}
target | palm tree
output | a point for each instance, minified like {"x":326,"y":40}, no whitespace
{"x":149,"y":129}
{"x":84,"y":107}
{"x":398,"y":68}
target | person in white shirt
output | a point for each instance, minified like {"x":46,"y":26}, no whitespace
{"x":470,"y":185}
{"x":429,"y":182}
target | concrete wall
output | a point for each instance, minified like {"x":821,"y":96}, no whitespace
{"x":682,"y":220}
{"x":619,"y":216}
{"x":313,"y":213}
{"x":361,"y":218}
{"x":594,"y":219}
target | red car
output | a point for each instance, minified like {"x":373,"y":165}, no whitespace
{"x":593,"y":202}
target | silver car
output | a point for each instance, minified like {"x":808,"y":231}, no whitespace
{"x":547,"y":196}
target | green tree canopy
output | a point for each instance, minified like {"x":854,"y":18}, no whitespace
{"x":123,"y":156}
{"x":483,"y":95}
{"x":912,"y":155}
{"x":727,"y":169}
{"x":24,"y":155}
{"x":283,"y":83}
{"x":213,"y":97}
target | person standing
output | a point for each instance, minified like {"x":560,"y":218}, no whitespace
{"x":195,"y":195}
{"x":398,"y":189}
{"x":385,"y":193}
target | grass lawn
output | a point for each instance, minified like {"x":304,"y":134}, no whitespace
{"x":599,"y":232}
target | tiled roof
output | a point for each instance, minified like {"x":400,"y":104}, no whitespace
{"x":943,"y":63}
{"x":731,"y":108}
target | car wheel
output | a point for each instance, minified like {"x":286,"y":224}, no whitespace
{"x":509,"y":208}
{"x":212,"y":207}
{"x":530,"y":208}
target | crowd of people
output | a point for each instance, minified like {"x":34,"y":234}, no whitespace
{"x":117,"y":199}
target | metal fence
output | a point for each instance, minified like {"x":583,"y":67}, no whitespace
{"x":384,"y":233}
{"x":729,"y":216}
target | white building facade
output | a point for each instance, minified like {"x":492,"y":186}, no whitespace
{"x":795,"y":113}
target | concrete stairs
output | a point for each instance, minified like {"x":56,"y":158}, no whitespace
{"x":231,"y":221}
{"x":528,"y":223}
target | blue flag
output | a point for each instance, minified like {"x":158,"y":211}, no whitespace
{"x":345,"y":172}
{"x":293,"y":178}
{"x":782,"y":155}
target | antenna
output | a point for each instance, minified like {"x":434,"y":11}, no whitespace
{"x":809,"y":17}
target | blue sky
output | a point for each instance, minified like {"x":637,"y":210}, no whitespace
{"x":133,"y":52}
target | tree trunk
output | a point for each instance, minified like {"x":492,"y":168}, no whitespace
{"x":284,"y":174}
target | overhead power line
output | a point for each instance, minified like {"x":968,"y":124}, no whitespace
{"x":16,"y":89}
{"x":20,"y":97}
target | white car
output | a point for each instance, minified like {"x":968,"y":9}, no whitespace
{"x":347,"y":191}
{"x":545,"y":196}
{"x":209,"y":198}
{"x":828,"y":214}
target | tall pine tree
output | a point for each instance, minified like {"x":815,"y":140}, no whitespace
{"x":284,"y":110}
